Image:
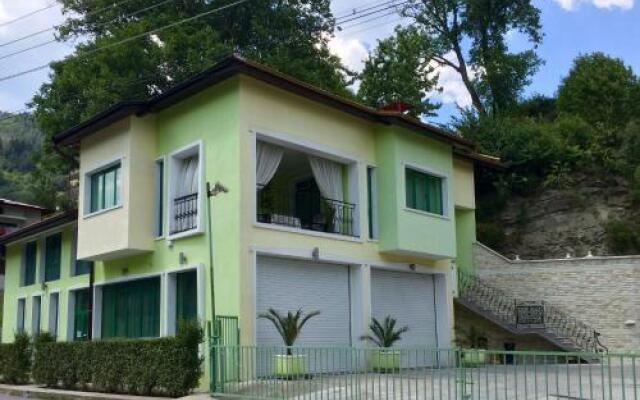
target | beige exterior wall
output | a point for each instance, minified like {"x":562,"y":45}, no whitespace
{"x":125,"y":229}
{"x":463,"y":184}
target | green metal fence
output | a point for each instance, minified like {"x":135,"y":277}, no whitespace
{"x":331,"y":373}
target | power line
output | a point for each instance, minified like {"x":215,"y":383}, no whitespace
{"x":27,"y":15}
{"x":356,"y":11}
{"x":342,"y":28}
{"x":372,"y":12}
{"x":50,"y":41}
{"x":129,"y":39}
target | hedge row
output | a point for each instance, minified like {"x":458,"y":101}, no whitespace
{"x":166,"y":366}
{"x":15,"y":360}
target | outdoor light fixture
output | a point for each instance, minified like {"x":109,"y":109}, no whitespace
{"x":182,"y":258}
{"x":412,"y":267}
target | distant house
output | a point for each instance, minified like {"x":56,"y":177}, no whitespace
{"x":330,"y":206}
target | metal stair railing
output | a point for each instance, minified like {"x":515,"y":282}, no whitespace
{"x":509,"y":310}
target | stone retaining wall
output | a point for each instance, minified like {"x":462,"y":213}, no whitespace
{"x":603,"y":292}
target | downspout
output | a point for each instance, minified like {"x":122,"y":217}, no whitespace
{"x":90,"y":304}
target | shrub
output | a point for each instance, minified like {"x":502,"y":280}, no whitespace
{"x":622,"y":237}
{"x":15,"y":360}
{"x":165,"y":366}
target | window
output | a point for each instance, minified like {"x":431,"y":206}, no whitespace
{"x":81,"y":314}
{"x":105,"y":186}
{"x":159,"y":200}
{"x":131,"y":309}
{"x":35,"y":315}
{"x":52,"y":255}
{"x":29,"y":263}
{"x":424,"y":192}
{"x":186,"y":297}
{"x":20,"y":318}
{"x":372,"y":201}
{"x":54,"y":303}
{"x":184,"y":199}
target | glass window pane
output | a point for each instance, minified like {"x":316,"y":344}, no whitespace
{"x":106,"y":186}
{"x":424,"y":192}
{"x":109,"y":189}
{"x":30,"y":255}
{"x":53,"y":250}
{"x":186,"y":297}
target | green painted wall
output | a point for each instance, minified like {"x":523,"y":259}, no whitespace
{"x":404,"y":230}
{"x":465,"y":237}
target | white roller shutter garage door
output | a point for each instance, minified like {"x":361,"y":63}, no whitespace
{"x":409,"y":298}
{"x":286,"y":285}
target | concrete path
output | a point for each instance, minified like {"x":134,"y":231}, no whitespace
{"x":19,"y":392}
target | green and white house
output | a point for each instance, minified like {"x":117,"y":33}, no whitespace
{"x":330,"y":206}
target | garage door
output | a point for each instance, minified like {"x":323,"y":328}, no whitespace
{"x":287,"y":285}
{"x":409,"y":298}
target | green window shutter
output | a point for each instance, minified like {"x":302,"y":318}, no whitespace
{"x":186,"y":297}
{"x":131,"y":309}
{"x":53,"y":250}
{"x":424,"y":192}
{"x":30,"y":257}
{"x":81,"y":315}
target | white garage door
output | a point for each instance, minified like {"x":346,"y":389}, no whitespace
{"x":287,"y":285}
{"x":409,"y":298}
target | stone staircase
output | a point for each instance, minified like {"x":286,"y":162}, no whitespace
{"x":526,"y":317}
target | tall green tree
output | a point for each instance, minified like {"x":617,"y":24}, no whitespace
{"x":470,"y":37}
{"x":399,"y":69}
{"x":600,"y":89}
{"x":290,"y":36}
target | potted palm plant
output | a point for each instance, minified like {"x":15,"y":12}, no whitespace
{"x":289,"y":327}
{"x":384,"y":335}
{"x":473,"y":347}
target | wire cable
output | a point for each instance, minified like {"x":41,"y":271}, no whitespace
{"x":27,"y":15}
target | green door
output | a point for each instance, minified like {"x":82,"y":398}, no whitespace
{"x":186,"y":297}
{"x":81,"y":315}
{"x":131,"y":309}
{"x":53,"y":249}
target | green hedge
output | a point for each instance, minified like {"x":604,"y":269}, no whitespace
{"x":166,"y":366}
{"x":15,"y":360}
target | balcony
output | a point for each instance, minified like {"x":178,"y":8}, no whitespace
{"x":185,"y":213}
{"x":304,"y":191}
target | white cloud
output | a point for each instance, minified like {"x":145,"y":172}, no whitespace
{"x":452,"y":89}
{"x":352,"y":51}
{"x":572,"y":5}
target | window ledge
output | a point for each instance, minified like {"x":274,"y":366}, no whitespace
{"x":182,"y":235}
{"x":307,"y":232}
{"x":427,"y":214}
{"x":99,"y":212}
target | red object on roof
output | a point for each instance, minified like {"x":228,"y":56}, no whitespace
{"x":398,"y":106}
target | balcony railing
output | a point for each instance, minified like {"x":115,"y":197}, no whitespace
{"x":185,"y":213}
{"x":307,"y":211}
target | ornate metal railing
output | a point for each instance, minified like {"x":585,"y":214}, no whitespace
{"x":185,"y":213}
{"x":527,"y":313}
{"x":310,"y":212}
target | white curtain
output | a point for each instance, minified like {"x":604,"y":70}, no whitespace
{"x":328,"y":176}
{"x":188,"y":183}
{"x":268,"y":159}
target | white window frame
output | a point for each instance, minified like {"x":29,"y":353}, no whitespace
{"x":173,"y":162}
{"x":36,"y":323}
{"x":429,"y":171}
{"x":159,"y":198}
{"x":86,"y":195}
{"x":21,"y":314}
{"x":53,"y":322}
{"x":297,"y":144}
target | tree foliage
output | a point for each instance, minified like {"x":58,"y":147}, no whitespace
{"x":493,"y":75}
{"x":400,"y":69}
{"x":600,"y":89}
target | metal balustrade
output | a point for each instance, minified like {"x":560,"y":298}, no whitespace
{"x":185,"y":213}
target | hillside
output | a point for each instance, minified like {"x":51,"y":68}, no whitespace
{"x":19,"y":139}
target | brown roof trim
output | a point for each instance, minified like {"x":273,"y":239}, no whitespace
{"x":481,"y":159}
{"x":23,"y":205}
{"x":237,"y":65}
{"x":38,"y":227}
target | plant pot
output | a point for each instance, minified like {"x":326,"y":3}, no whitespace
{"x":384,"y":360}
{"x":290,"y":366}
{"x":473,"y":358}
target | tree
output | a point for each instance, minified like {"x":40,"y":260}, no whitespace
{"x":399,"y":69}
{"x":600,"y":89}
{"x":289,"y":36}
{"x":493,"y":76}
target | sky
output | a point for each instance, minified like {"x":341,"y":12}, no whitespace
{"x":571,"y":28}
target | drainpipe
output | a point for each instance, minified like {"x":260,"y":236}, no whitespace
{"x":90,"y":304}
{"x":212,"y":192}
